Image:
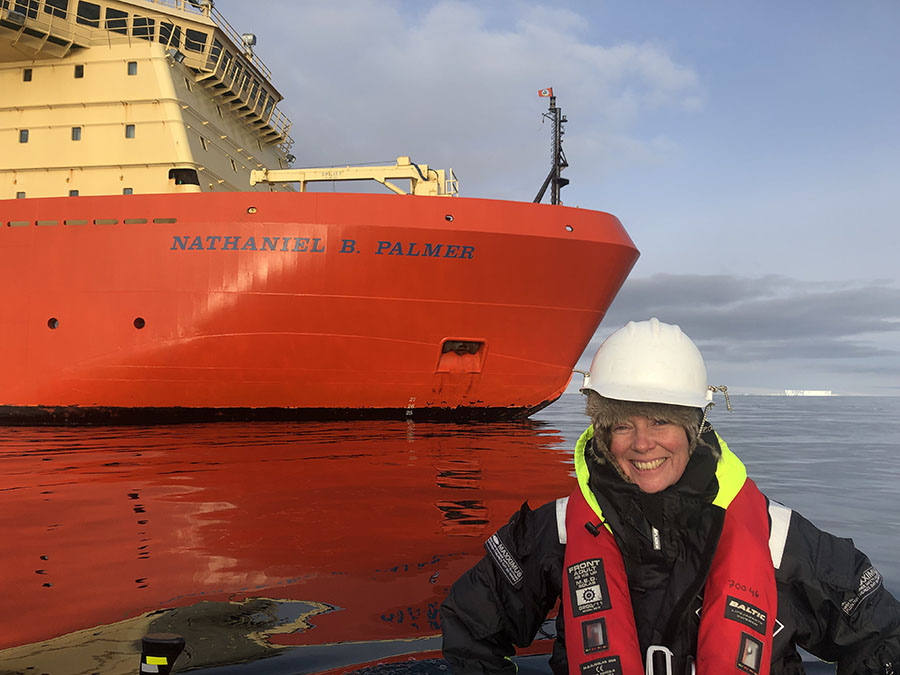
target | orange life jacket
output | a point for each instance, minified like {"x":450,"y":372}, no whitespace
{"x":739,"y":600}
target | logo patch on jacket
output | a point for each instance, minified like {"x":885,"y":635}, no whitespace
{"x":587,"y":587}
{"x":869,"y":582}
{"x":505,"y":561}
{"x":745,"y":613}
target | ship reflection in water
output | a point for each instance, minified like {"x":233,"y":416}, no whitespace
{"x":255,"y":542}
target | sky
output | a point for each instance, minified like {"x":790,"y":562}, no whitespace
{"x":750,"y":149}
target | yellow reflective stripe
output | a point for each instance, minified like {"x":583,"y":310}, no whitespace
{"x":731,"y":474}
{"x":157,"y":661}
{"x":582,"y":473}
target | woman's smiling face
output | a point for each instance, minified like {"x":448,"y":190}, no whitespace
{"x":653,"y":453}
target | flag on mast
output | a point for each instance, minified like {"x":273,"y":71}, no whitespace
{"x":546,"y":92}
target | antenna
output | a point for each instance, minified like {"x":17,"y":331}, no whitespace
{"x":554,"y":179}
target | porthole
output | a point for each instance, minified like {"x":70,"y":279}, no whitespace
{"x":569,"y":228}
{"x":53,"y":323}
{"x":252,"y":209}
{"x":449,"y":218}
{"x":139,"y":323}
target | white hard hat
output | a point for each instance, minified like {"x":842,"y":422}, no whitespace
{"x":650,"y":361}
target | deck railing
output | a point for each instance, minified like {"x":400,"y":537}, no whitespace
{"x":52,"y":21}
{"x":45,"y":21}
{"x":216,"y":17}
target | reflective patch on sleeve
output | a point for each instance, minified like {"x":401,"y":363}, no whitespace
{"x":505,"y":561}
{"x":781,"y":522}
{"x":561,"y":505}
{"x":869,"y":582}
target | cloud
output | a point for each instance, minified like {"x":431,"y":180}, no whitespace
{"x":770,"y":307}
{"x":454,"y":84}
{"x":774,"y":326}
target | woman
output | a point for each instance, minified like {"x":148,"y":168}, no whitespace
{"x":666,"y":557}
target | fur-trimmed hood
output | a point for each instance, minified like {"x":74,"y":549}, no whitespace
{"x":607,"y":412}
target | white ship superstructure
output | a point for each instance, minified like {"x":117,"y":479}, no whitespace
{"x":146,"y":96}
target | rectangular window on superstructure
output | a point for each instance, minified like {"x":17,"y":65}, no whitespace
{"x":27,"y":7}
{"x":58,"y":8}
{"x":195,"y":40}
{"x":116,"y":21}
{"x":132,"y":67}
{"x":245,"y":83}
{"x":227,"y":63}
{"x":88,"y":14}
{"x":20,"y":195}
{"x":79,"y":71}
{"x":26,"y":75}
{"x":23,"y":135}
{"x":234,"y":77}
{"x":142,"y":27}
{"x":73,"y":193}
{"x":76,"y":133}
{"x":215,"y":56}
{"x":129,"y":131}
{"x":170,"y":34}
{"x":127,"y":191}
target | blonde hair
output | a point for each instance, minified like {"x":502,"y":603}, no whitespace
{"x":607,"y":412}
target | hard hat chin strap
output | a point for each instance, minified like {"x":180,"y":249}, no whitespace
{"x":703,"y":424}
{"x":722,"y":388}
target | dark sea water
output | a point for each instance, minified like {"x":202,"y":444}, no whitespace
{"x":328,"y":547}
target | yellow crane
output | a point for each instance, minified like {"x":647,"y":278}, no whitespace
{"x":423,"y":180}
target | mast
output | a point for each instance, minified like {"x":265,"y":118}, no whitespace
{"x":554,"y":179}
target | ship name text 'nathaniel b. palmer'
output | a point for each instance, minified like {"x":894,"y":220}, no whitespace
{"x":317,"y":245}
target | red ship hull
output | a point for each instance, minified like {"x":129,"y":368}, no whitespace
{"x":255,"y":304}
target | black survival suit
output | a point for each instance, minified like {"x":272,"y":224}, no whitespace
{"x":831,"y":600}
